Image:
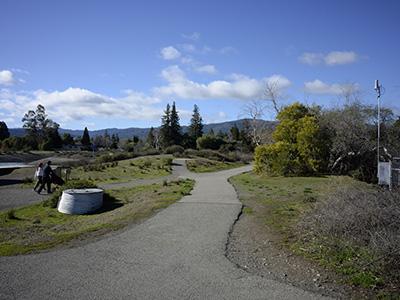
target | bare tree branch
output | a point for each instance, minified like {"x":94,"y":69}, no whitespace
{"x":273,"y":94}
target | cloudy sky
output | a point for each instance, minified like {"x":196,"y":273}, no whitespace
{"x":117,"y":63}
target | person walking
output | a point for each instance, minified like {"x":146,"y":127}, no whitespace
{"x":47,"y":173}
{"x":38,"y":176}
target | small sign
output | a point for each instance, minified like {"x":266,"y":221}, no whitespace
{"x":384,"y":173}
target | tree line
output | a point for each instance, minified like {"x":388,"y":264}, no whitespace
{"x":42,"y":133}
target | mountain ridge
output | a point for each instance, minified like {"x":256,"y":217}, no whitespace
{"x":129,"y":132}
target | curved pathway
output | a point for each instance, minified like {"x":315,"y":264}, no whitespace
{"x":177,"y":254}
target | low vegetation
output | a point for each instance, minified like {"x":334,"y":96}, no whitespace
{"x":125,"y":170}
{"x":202,"y":165}
{"x":356,"y":232}
{"x":343,"y":224}
{"x":37,"y":227}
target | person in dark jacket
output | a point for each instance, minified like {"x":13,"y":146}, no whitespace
{"x":47,"y":173}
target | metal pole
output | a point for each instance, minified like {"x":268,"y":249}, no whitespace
{"x":379,"y":128}
{"x":378,"y":91}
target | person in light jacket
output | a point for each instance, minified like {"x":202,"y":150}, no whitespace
{"x":38,"y":176}
{"x":47,"y":173}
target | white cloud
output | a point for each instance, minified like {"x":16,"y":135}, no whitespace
{"x":209,"y":69}
{"x":195,"y":36}
{"x":319,"y":87}
{"x":330,"y":59}
{"x":77,"y":104}
{"x":170,"y":53}
{"x":311,"y":58}
{"x":228,"y":50}
{"x":6,"y":78}
{"x":340,"y":58}
{"x":188,"y":47}
{"x":173,"y":74}
{"x":239,"y":87}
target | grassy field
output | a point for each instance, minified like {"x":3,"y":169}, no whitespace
{"x":281,"y":203}
{"x":124,"y":170}
{"x":203,"y":165}
{"x":37,"y":227}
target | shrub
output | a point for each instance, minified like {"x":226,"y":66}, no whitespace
{"x":11,"y":214}
{"x":355,"y":218}
{"x":174,"y":149}
{"x":167,"y":161}
{"x":73,"y":184}
{"x":278,"y":159}
{"x":110,"y":157}
{"x":209,"y":154}
{"x":209,"y":142}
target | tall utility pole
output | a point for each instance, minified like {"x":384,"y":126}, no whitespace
{"x":378,"y":92}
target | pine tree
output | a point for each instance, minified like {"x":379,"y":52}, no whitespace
{"x":86,"y":139}
{"x":106,"y":138}
{"x":151,"y":138}
{"x":176,"y":134}
{"x":196,"y":125}
{"x":235,"y":134}
{"x":114,"y":141}
{"x":165,"y":130}
{"x":4,"y":133}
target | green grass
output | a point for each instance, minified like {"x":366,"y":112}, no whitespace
{"x":125,"y":170}
{"x":36,"y":227}
{"x":279,"y":203}
{"x":203,"y":165}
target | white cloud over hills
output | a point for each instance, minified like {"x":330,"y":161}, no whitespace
{"x":239,"y":87}
{"x":77,"y":104}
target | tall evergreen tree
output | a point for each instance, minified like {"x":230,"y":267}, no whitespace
{"x":165,"y":130}
{"x":176,"y":134}
{"x":4,"y":133}
{"x":151,"y":138}
{"x":68,"y":139}
{"x":235,"y":134}
{"x":196,"y":125}
{"x":114,"y":141}
{"x":86,"y":139}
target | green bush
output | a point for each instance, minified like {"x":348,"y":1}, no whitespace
{"x":209,"y":142}
{"x":299,"y":147}
{"x":174,"y":149}
{"x":73,"y":184}
{"x":110,"y":157}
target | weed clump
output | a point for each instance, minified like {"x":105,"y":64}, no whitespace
{"x":357,"y":232}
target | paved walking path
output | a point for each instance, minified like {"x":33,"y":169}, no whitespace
{"x":177,"y":254}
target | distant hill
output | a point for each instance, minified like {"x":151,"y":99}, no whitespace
{"x":142,"y":132}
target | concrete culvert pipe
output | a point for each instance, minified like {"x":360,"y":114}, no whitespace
{"x":80,"y":201}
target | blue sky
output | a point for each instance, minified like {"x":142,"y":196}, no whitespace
{"x":117,"y":63}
